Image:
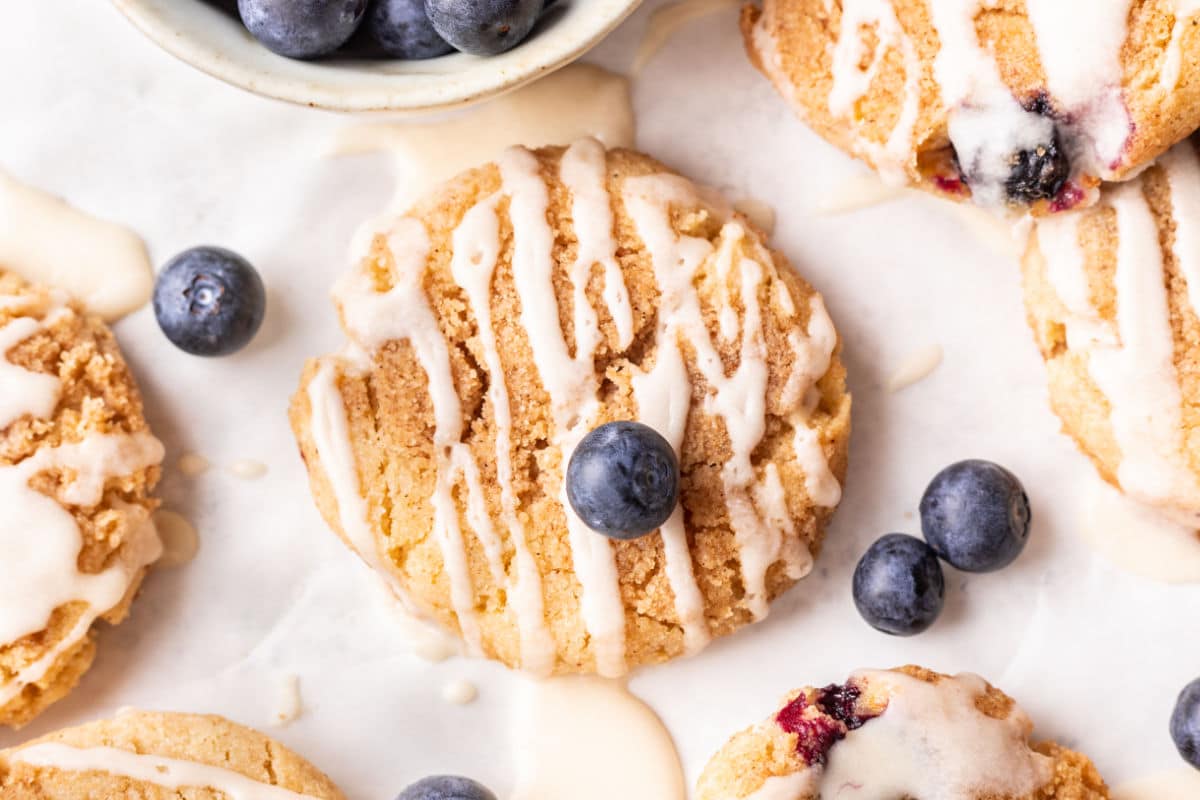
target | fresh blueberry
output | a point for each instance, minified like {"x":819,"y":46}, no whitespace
{"x":975,"y":515}
{"x":401,"y":29}
{"x":898,"y":585}
{"x":623,"y":480}
{"x":1185,"y":723}
{"x":446,"y":787}
{"x":483,"y":27}
{"x":209,"y":301}
{"x":302,"y":28}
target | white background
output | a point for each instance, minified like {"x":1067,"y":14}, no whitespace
{"x":96,"y":113}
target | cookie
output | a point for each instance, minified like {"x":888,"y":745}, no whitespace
{"x":77,"y":464}
{"x":1113,"y":296}
{"x":1009,"y":103}
{"x":898,"y":733}
{"x":159,"y":756}
{"x":515,"y":309}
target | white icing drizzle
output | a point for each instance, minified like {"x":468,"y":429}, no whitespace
{"x":36,"y":578}
{"x":476,"y":248}
{"x":931,"y":742}
{"x":25,"y":392}
{"x":167,"y":773}
{"x":663,"y":392}
{"x":1172,"y":66}
{"x":1133,"y":363}
{"x":851,"y":82}
{"x":571,"y":384}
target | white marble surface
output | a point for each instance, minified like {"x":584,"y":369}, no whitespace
{"x":95,"y":113}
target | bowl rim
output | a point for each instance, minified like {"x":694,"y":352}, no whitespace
{"x":483,"y":80}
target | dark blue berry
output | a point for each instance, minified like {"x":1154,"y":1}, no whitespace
{"x":302,"y":28}
{"x":483,"y":27}
{"x":446,"y":787}
{"x":209,"y":301}
{"x":898,"y":585}
{"x":401,"y":29}
{"x":975,"y":515}
{"x":1185,"y":723}
{"x":623,"y":480}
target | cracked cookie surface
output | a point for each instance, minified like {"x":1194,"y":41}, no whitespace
{"x":513,"y":310}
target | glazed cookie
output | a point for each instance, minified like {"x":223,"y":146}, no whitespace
{"x":904,"y":733}
{"x":77,"y":464}
{"x":514,"y":310}
{"x":1113,"y":295}
{"x":1022,"y":103}
{"x":160,"y":756}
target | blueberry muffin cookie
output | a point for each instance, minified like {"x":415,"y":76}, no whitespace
{"x":159,"y":756}
{"x":509,"y":314}
{"x":1113,"y":296}
{"x":904,"y":733}
{"x":77,"y":464}
{"x":1022,"y":103}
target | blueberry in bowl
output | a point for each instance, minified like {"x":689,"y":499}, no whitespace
{"x":389,"y":63}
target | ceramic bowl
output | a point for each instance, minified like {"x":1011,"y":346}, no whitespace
{"x":209,"y":36}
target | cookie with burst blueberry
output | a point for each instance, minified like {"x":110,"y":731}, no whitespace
{"x":587,"y":419}
{"x":1006,"y":104}
{"x":907,"y":732}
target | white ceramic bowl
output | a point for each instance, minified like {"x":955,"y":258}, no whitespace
{"x":213,"y":40}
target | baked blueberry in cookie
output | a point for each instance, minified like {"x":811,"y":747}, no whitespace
{"x":908,"y":732}
{"x":516,"y":310}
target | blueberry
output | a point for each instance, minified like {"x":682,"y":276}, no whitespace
{"x":1038,"y":173}
{"x":623,"y":480}
{"x":401,"y":29}
{"x":446,"y":787}
{"x":483,"y":27}
{"x":209,"y":301}
{"x":302,"y":28}
{"x":975,"y":515}
{"x":1185,"y":723}
{"x":898,"y":585}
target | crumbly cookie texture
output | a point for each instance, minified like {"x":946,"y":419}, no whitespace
{"x":906,"y":732}
{"x":66,"y":361}
{"x":159,"y":756}
{"x":958,"y":97}
{"x":437,"y":450}
{"x":1113,"y":297}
